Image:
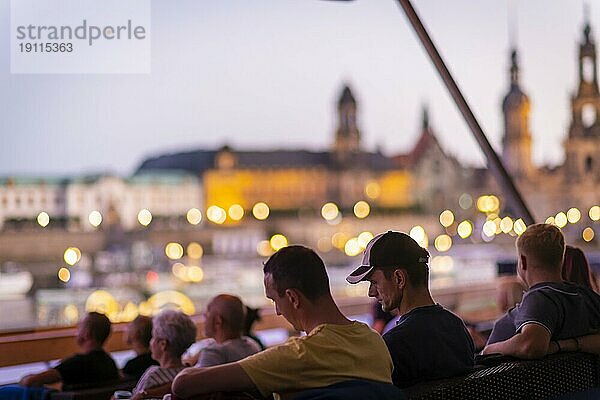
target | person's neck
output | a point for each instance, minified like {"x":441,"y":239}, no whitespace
{"x":414,"y":299}
{"x":223,"y":336}
{"x":140,"y":349}
{"x":168,"y":361}
{"x":542,"y":276}
{"x":88,"y":347}
{"x":323,"y":311}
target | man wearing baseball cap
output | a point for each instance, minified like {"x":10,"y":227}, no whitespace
{"x":428,"y":342}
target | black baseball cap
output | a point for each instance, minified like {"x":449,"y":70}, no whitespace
{"x":389,"y":250}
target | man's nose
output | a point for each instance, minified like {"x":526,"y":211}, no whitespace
{"x":372,"y":290}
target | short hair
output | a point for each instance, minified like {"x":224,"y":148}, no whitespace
{"x":141,"y":326}
{"x":232,"y":311}
{"x":98,"y":326}
{"x":300,"y":268}
{"x":576,"y":269}
{"x":544,"y":244}
{"x":177,"y":328}
{"x":417,"y":273}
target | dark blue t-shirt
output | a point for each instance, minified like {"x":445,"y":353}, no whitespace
{"x":95,"y":367}
{"x":429,"y":343}
{"x":566,"y":310}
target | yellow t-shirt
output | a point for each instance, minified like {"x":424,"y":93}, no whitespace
{"x":328,"y":354}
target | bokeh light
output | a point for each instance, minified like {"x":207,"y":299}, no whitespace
{"x":364,"y":238}
{"x":71,"y":313}
{"x":195,"y":274}
{"x":72,"y":255}
{"x":519,"y":226}
{"x":446,"y":218}
{"x":144,"y":217}
{"x":362,"y":209}
{"x":174,"y":250}
{"x":179,"y":270}
{"x":594,"y":213}
{"x":260,"y":211}
{"x":352,"y":247}
{"x":170,"y":299}
{"x":216,"y":214}
{"x":373,"y":190}
{"x":588,"y":234}
{"x":465,"y":201}
{"x":418,"y":234}
{"x":195,"y":250}
{"x":506,"y":224}
{"x":152,"y":277}
{"x":95,"y":218}
{"x":43,"y":219}
{"x":339,"y":239}
{"x":489,"y":228}
{"x":443,"y":243}
{"x":64,"y":274}
{"x":264,"y":249}
{"x":194,"y":216}
{"x":573,"y":215}
{"x":103,"y":302}
{"x":560,"y":219}
{"x":464,"y":229}
{"x":329,"y":211}
{"x":278,"y":241}
{"x":235,"y":212}
{"x":487,"y":204}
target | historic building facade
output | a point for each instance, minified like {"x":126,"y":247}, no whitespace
{"x":575,"y":183}
{"x":293,"y":180}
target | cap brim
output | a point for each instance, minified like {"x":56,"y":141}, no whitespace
{"x":359,"y":274}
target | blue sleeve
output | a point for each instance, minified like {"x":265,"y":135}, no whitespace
{"x":211,"y":356}
{"x":537,"y":308}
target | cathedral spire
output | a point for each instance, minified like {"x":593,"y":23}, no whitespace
{"x":425,"y":118}
{"x":516,"y":150}
{"x":514,"y":68}
{"x":347,"y":136}
{"x":587,"y":28}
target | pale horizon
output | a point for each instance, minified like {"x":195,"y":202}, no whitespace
{"x":266,"y":75}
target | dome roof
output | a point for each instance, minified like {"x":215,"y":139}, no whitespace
{"x":514,"y":98}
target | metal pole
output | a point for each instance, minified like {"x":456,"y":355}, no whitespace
{"x":493,"y":161}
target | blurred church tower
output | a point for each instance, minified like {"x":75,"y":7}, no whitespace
{"x":516,"y":143}
{"x":346,"y":146}
{"x":582,"y":145}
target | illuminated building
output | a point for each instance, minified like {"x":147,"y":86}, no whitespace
{"x":298,"y":179}
{"x":69,"y":202}
{"x":575,"y":182}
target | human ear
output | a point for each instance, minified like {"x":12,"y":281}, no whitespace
{"x":400,"y":278}
{"x":293,"y":297}
{"x":523,"y":262}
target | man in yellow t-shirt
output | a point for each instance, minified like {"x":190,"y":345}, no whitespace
{"x":334,"y":350}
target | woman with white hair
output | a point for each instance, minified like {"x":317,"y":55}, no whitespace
{"x":172,"y":333}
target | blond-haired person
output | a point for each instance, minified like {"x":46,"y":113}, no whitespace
{"x":551,"y":309}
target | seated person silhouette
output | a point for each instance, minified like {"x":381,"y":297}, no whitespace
{"x":139,"y":333}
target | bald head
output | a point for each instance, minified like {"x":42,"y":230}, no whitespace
{"x":229,"y":311}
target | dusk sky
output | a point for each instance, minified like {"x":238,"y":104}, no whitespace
{"x":266,"y":74}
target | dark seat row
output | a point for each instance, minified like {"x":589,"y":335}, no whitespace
{"x":552,"y":377}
